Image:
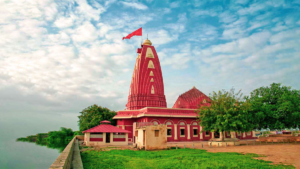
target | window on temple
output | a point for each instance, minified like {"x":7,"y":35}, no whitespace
{"x":249,"y":133}
{"x":152,"y":80}
{"x":156,"y":133}
{"x":195,"y":131}
{"x":152,"y":90}
{"x":155,"y":123}
{"x":182,"y":132}
{"x":149,"y":53}
{"x":207,"y":133}
{"x":169,"y":132}
{"x":195,"y":123}
{"x":151,"y":73}
{"x":150,"y":64}
{"x":181,"y":123}
{"x":168,"y":123}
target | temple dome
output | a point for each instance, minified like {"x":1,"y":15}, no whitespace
{"x":147,"y":42}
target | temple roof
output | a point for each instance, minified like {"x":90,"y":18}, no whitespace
{"x":192,"y":99}
{"x":105,"y":128}
{"x":192,"y":95}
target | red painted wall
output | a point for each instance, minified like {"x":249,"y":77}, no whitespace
{"x":96,"y":139}
{"x":118,"y":139}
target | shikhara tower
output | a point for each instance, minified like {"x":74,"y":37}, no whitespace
{"x":147,"y":85}
{"x":147,"y":103}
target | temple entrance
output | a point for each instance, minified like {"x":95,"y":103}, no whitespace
{"x":107,"y":138}
{"x":217,"y":134}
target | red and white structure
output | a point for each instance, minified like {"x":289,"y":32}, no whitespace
{"x":147,"y":103}
{"x":105,"y":134}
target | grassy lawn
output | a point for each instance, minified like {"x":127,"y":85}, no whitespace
{"x":181,"y":158}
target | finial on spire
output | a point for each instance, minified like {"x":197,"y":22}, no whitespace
{"x":147,"y":42}
{"x":147,"y":35}
{"x":193,"y":87}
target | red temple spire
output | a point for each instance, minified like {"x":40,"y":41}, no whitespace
{"x":147,"y":86}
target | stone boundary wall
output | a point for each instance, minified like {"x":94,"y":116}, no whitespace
{"x":64,"y":160}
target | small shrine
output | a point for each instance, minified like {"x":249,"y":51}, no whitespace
{"x":105,"y":134}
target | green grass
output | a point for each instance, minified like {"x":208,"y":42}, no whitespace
{"x":181,"y":158}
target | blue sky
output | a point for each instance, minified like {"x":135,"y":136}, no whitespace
{"x":57,"y":58}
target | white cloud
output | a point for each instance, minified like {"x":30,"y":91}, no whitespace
{"x":227,"y":17}
{"x":159,"y":37}
{"x":252,"y":9}
{"x":236,"y":29}
{"x":135,"y":5}
{"x":84,"y":33}
{"x":64,"y":22}
{"x":242,"y":1}
{"x":174,"y":4}
{"x":176,"y":58}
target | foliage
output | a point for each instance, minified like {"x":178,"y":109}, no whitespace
{"x":64,"y":136}
{"x":76,"y":133}
{"x":228,"y":111}
{"x":52,"y":139}
{"x":275,"y":107}
{"x":169,"y":159}
{"x":92,"y":115}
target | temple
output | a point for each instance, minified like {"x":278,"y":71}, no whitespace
{"x":147,"y":104}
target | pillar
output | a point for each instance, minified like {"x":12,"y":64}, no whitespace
{"x":104,"y":138}
{"x":175,"y":132}
{"x":87,"y":137}
{"x":111,"y":138}
{"x":221,"y":135}
{"x":212,"y":135}
{"x":253,"y":134}
{"x":201,"y":133}
{"x":189,"y":131}
{"x":232,"y":133}
{"x":244,"y":134}
{"x":126,"y":138}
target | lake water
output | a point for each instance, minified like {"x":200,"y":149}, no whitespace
{"x":24,"y":155}
{"x":17,"y":155}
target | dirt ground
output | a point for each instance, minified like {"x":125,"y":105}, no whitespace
{"x":286,"y":154}
{"x":278,"y":153}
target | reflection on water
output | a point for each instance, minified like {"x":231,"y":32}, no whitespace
{"x":27,"y":155}
{"x":53,"y":145}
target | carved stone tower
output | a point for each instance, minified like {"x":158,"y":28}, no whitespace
{"x":147,"y":86}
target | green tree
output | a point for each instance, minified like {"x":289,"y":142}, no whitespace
{"x":275,"y":107}
{"x":228,"y":111}
{"x":92,"y":115}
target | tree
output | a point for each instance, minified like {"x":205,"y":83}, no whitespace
{"x":92,"y":115}
{"x":275,"y":107}
{"x":228,"y":111}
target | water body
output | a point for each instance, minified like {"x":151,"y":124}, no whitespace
{"x":15,"y":155}
{"x":24,"y":155}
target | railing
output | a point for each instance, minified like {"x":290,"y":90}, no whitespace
{"x":119,"y":136}
{"x":144,"y":124}
{"x":69,"y":158}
